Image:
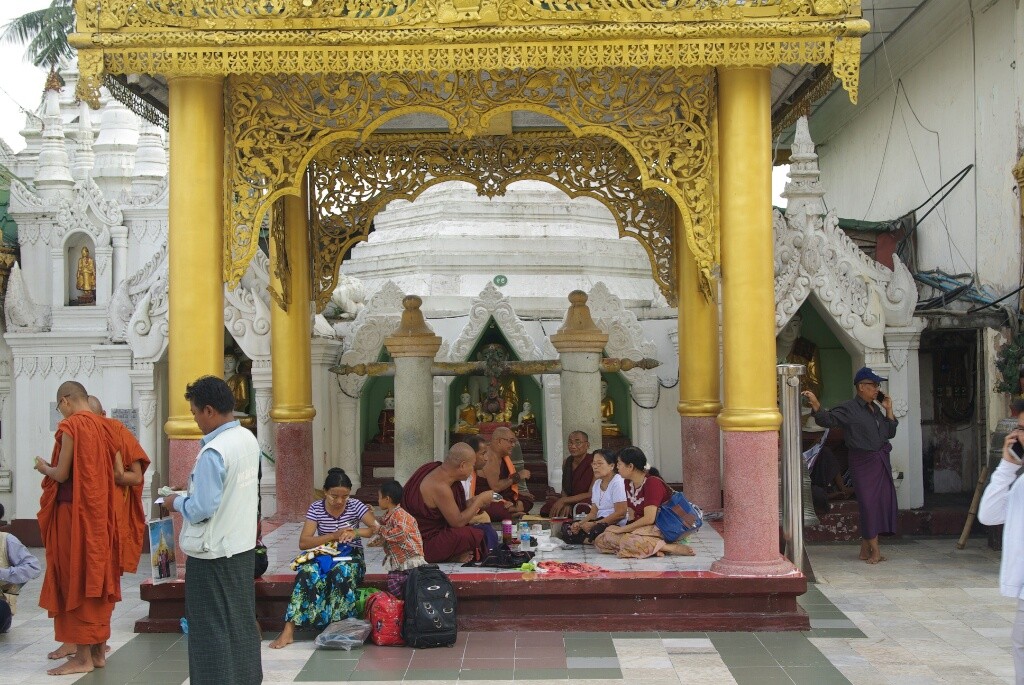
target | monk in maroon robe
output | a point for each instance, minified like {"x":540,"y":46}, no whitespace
{"x":435,"y":497}
{"x":577,"y":477}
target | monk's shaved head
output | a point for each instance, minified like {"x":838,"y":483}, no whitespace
{"x":73,"y":390}
{"x":459,"y":454}
{"x":503,"y":432}
{"x":95,"y":406}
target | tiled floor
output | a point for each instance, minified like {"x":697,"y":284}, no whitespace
{"x":930,"y":614}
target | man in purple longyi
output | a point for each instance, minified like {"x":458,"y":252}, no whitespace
{"x":868,"y":424}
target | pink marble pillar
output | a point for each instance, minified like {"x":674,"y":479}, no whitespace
{"x":294,"y":469}
{"x":752,"y":506}
{"x":182,"y":459}
{"x":702,"y":477}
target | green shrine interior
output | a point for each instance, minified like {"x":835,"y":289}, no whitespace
{"x":378,"y":450}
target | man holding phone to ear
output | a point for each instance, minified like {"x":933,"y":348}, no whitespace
{"x":868,"y":424}
{"x":1003,"y":503}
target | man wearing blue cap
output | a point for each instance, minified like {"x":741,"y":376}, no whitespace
{"x":867,"y":429}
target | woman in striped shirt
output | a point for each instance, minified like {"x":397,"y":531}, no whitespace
{"x":325,"y":589}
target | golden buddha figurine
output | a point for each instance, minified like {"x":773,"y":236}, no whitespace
{"x":465,"y":416}
{"x":85,"y":278}
{"x":239,"y":385}
{"x":510,"y":399}
{"x":608,"y":425}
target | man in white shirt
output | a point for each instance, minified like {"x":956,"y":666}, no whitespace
{"x":1003,"y":502}
{"x":219,"y":536}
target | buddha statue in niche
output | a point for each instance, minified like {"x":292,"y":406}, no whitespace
{"x":608,"y":425}
{"x":85,"y":278}
{"x":526,"y":422}
{"x":386,"y":422}
{"x":466,"y":416}
{"x":239,"y":384}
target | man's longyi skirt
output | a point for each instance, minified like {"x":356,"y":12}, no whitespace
{"x":876,"y":494}
{"x":220,"y":605}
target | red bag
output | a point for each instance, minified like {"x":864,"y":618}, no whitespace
{"x":385,"y":613}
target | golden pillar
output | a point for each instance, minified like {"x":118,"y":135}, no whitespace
{"x":748,"y":279}
{"x":290,"y":332}
{"x":699,"y":393}
{"x":291,"y":366}
{"x":751,"y":416}
{"x":195,"y":238}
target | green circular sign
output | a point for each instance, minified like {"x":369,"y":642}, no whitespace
{"x":500,"y":280}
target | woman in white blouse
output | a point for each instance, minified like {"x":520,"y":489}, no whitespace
{"x":607,"y":498}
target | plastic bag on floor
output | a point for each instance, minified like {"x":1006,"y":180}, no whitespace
{"x":346,"y":634}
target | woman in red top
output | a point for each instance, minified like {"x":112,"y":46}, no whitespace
{"x":645,"y":492}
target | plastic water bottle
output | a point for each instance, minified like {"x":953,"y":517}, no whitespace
{"x":524,"y":534}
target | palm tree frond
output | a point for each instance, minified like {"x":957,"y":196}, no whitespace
{"x":44,"y":32}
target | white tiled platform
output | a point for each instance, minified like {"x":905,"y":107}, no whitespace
{"x":282,"y":546}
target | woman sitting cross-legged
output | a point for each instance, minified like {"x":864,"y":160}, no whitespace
{"x":645,"y":492}
{"x":323,"y":596}
{"x":607,"y":497}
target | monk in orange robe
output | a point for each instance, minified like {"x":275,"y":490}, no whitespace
{"x":129,"y":476}
{"x":78,"y":522}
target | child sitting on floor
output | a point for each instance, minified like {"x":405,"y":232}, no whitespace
{"x":398,"y":532}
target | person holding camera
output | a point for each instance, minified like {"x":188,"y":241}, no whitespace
{"x":868,"y":424}
{"x":1003,"y":503}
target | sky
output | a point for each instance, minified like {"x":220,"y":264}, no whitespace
{"x":21,"y":86}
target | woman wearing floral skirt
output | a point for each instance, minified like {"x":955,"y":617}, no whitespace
{"x":325,"y":590}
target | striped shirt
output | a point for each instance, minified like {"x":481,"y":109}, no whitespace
{"x":350,"y":518}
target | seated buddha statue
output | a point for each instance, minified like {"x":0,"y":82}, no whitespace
{"x":526,"y":422}
{"x":465,"y":416}
{"x":239,"y":385}
{"x":386,"y":422}
{"x":492,"y":407}
{"x":608,"y":425}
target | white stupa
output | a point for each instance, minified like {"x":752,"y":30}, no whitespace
{"x":450,"y":242}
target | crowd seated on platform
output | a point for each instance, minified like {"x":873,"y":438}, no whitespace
{"x":331,"y":567}
{"x":607,"y":497}
{"x":645,"y":492}
{"x":577,"y":477}
{"x":436,"y":498}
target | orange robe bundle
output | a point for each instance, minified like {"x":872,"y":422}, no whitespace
{"x":131,"y":519}
{"x":82,"y":581}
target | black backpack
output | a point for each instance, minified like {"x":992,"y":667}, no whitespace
{"x":429,"y":609}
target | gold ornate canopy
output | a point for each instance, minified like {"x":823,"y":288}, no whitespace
{"x":306,"y":74}
{"x":350,"y":181}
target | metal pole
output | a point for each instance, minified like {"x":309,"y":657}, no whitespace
{"x":792,"y":456}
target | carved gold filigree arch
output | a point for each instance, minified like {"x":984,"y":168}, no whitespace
{"x":352,"y":181}
{"x":661,"y":117}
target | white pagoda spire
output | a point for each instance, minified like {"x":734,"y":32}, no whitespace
{"x":115,"y":149}
{"x":84,"y":157}
{"x":150,"y":160}
{"x":803,"y":190}
{"x":54,"y":173}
